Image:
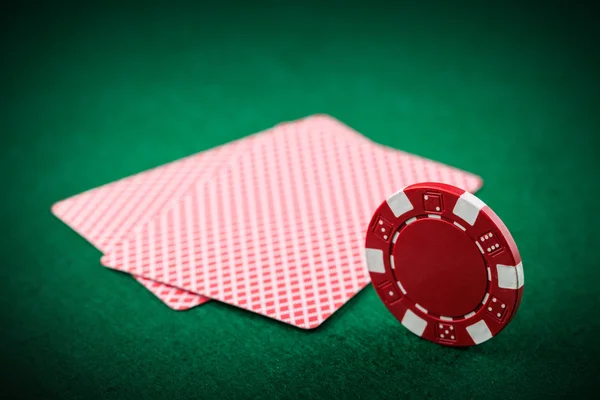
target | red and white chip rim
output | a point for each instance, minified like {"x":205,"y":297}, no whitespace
{"x":444,"y":264}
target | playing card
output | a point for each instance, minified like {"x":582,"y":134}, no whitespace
{"x":109,"y":213}
{"x":280,"y":230}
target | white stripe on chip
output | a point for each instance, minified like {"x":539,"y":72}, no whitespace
{"x":399,"y":203}
{"x":467,"y":207}
{"x":460,"y":226}
{"x":480,"y":248}
{"x":414,"y":323}
{"x":420,"y":307}
{"x":375,"y":260}
{"x":401,"y":287}
{"x":510,"y":276}
{"x":520,"y":275}
{"x":479,"y":332}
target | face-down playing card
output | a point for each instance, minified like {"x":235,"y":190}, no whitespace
{"x":280,"y":230}
{"x":108,"y":214}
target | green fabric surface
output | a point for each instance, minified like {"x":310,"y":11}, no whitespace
{"x":94,"y":93}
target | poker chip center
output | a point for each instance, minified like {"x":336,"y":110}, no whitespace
{"x":440,"y":267}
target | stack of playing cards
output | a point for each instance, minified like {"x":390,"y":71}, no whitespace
{"x":273,"y":223}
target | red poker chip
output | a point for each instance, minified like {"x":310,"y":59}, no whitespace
{"x":444,"y":264}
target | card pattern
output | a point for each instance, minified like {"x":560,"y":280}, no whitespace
{"x":280,"y":231}
{"x":107,"y":214}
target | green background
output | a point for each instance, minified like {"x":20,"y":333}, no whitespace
{"x":93,"y":93}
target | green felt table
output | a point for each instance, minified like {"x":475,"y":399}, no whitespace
{"x":94,"y":93}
